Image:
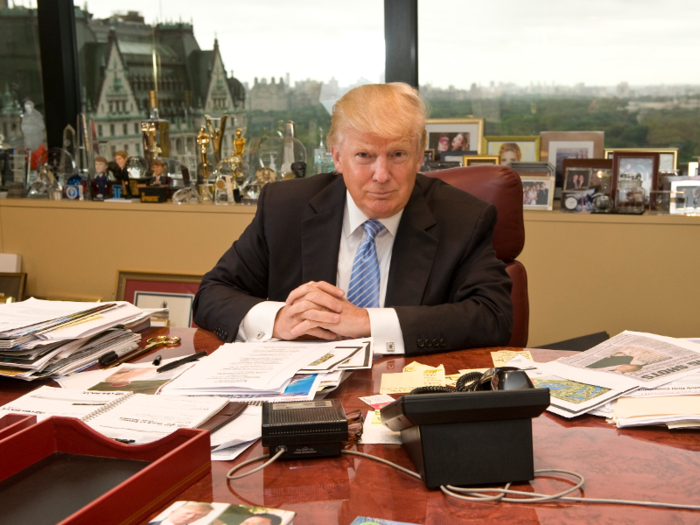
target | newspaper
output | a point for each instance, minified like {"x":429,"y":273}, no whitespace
{"x":630,"y":359}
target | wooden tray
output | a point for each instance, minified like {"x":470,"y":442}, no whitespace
{"x":61,"y":471}
{"x":11,"y":423}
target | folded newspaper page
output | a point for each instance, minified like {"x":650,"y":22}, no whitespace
{"x":630,"y":359}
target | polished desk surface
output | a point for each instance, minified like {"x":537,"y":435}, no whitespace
{"x":638,"y":464}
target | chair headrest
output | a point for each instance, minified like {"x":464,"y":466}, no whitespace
{"x":500,"y":186}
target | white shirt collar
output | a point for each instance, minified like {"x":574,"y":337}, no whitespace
{"x":355,"y":218}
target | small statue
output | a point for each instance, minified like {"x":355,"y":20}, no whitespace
{"x":32,"y":126}
{"x":160,"y":174}
{"x":265,"y":175}
{"x":203,"y":143}
{"x":118,"y":168}
{"x":299,"y":169}
{"x":238,"y":143}
{"x":100,"y":180}
{"x":216,"y":135}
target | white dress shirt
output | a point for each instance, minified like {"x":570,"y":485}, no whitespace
{"x":386,"y":332}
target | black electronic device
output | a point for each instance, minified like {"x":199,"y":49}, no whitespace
{"x":471,"y":437}
{"x":305,"y":428}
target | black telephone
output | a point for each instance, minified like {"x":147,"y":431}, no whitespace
{"x":504,"y":378}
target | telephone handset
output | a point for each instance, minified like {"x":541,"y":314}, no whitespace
{"x":504,"y":378}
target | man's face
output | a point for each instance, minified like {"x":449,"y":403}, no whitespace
{"x":185,"y":515}
{"x":121,"y":161}
{"x":158,"y":169}
{"x":379,"y":173}
{"x":100,"y":167}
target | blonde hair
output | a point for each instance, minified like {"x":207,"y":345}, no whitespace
{"x":392,"y":111}
{"x":510,"y":146}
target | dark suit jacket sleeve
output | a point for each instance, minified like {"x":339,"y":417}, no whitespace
{"x":475,"y":310}
{"x":237,"y":283}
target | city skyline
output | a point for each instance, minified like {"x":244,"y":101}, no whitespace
{"x":598,"y":43}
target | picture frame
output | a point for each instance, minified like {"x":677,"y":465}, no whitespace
{"x":691,"y":189}
{"x":556,"y":146}
{"x":153,"y":290}
{"x":428,"y":155}
{"x":479,"y":160}
{"x":668,"y":157}
{"x":536,"y":197}
{"x":601,"y":171}
{"x":636,"y":163}
{"x":513,"y":148}
{"x":12,"y":287}
{"x":455,"y":135}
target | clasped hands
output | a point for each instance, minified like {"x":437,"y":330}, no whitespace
{"x":319,"y":309}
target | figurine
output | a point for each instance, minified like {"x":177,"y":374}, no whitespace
{"x":100,"y":180}
{"x":33,"y":130}
{"x":238,"y":143}
{"x":160,"y":174}
{"x":32,"y":126}
{"x":216,"y":135}
{"x":118,"y":168}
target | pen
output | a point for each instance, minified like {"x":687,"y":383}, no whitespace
{"x":111,"y":356}
{"x":157,"y":360}
{"x":175,"y":364}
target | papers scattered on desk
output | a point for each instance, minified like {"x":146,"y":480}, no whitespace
{"x":120,"y":415}
{"x":272,"y":371}
{"x":220,"y":513}
{"x":502,"y":357}
{"x":51,"y":338}
{"x":641,"y":373}
{"x":374,"y":433}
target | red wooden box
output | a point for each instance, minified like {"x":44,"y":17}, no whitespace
{"x":11,"y":423}
{"x":62,"y":467}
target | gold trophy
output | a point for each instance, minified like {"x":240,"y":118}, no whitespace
{"x":238,"y":144}
{"x":155,"y":133}
{"x":217,"y":135}
{"x":203,"y":141}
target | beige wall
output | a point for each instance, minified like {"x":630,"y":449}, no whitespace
{"x":587,"y":273}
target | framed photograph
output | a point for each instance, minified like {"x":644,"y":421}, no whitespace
{"x":538,"y":192}
{"x":668,"y":157}
{"x":559,"y":145}
{"x":512,"y":148}
{"x":428,"y":155}
{"x":691,"y":191}
{"x":636,"y":165}
{"x":599,"y":173}
{"x":577,"y":201}
{"x":12,"y":287}
{"x":462,"y":136}
{"x":160,"y":290}
{"x":476,"y":160}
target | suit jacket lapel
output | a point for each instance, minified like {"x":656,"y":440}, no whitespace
{"x":413,"y":253}
{"x":321,"y":229}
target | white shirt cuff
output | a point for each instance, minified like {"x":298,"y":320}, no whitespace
{"x":259,"y":322}
{"x":386,"y":331}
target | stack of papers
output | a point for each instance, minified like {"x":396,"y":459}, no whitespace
{"x":40,"y":339}
{"x":633,"y":379}
{"x":274,"y":371}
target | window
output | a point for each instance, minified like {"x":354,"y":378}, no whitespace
{"x":538,"y":66}
{"x":125,"y":127}
{"x":205,"y":70}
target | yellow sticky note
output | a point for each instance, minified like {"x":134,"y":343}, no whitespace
{"x":415,"y":366}
{"x":502,"y":357}
{"x":405,"y":382}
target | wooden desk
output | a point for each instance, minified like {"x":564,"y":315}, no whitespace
{"x":641,"y":464}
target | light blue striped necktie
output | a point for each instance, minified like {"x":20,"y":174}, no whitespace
{"x":363,"y":291}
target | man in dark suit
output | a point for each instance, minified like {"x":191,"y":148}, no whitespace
{"x":439,"y":285}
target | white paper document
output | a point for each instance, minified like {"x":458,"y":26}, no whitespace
{"x":628,"y":360}
{"x":144,"y":418}
{"x":247,"y":427}
{"x":32,"y":311}
{"x":375,"y":433}
{"x":244,"y":368}
{"x":47,"y":401}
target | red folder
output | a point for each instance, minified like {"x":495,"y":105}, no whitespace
{"x":61,"y":466}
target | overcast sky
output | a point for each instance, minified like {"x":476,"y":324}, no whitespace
{"x":597,"y":42}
